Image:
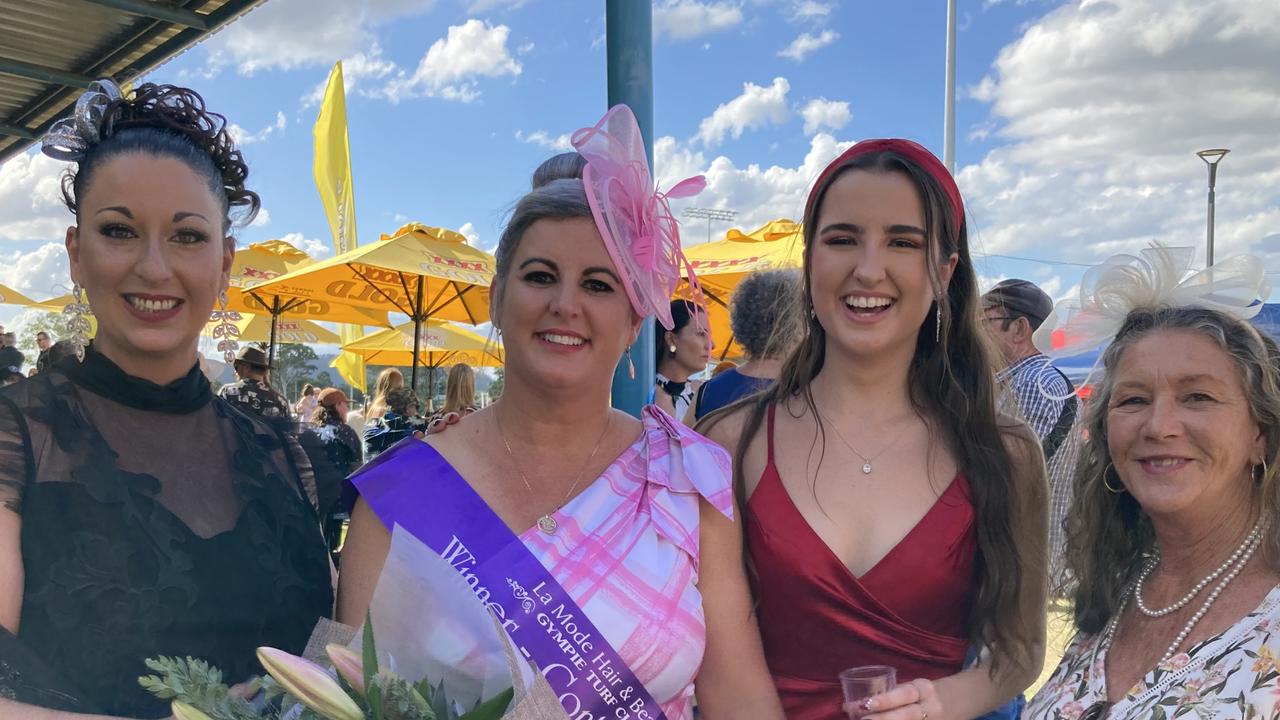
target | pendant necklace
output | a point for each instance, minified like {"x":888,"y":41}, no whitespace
{"x":546,"y":523}
{"x":866,"y":461}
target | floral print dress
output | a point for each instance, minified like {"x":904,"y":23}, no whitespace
{"x":1234,"y":675}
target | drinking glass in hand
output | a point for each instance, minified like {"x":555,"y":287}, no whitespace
{"x":861,"y":683}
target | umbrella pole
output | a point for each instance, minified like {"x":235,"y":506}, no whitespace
{"x":417,"y":335}
{"x":275,"y":316}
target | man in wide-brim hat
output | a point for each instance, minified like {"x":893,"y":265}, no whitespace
{"x":252,"y":392}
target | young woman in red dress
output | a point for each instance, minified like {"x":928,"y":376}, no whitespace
{"x":891,"y":516}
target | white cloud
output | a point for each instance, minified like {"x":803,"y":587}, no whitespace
{"x":450,"y":66}
{"x":39,"y":274}
{"x":823,"y":113}
{"x":756,"y":107}
{"x":287,"y":34}
{"x":243,"y":137}
{"x":30,"y":198}
{"x":559,"y":143}
{"x":809,"y":10}
{"x":311,"y":246}
{"x":478,"y":6}
{"x":679,"y":20}
{"x":262,"y":219}
{"x":1101,"y":108}
{"x":468,"y":230}
{"x":807,"y":44}
{"x":759,"y":194}
{"x":359,"y":71}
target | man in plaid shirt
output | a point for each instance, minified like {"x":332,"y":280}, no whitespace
{"x":1031,"y":388}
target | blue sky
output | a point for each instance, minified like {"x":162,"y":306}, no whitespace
{"x":1077,"y":122}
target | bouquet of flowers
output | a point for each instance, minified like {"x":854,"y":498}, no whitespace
{"x":478,"y":673}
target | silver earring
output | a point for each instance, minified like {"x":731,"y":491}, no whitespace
{"x":226,"y":332}
{"x":937,"y":323}
{"x":79,"y":312}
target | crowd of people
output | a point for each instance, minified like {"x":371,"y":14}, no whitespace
{"x":896,"y":475}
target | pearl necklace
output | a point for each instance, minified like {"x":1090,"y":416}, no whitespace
{"x":1253,"y":540}
{"x":1186,"y":599}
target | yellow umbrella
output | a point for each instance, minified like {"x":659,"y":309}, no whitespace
{"x":723,"y":264}
{"x":439,"y":343}
{"x":423,"y":272}
{"x":9,"y":296}
{"x":265,"y":261}
{"x":258,"y":328}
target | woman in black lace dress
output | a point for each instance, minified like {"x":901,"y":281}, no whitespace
{"x":139,"y":514}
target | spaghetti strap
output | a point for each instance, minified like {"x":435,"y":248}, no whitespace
{"x":769,"y":433}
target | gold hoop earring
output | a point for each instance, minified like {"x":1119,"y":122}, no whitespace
{"x":226,"y":332}
{"x":1107,"y":474}
{"x":79,"y":312}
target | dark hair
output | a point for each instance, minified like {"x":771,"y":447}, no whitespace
{"x":565,"y":166}
{"x":308,"y":389}
{"x":325,"y":415}
{"x":952,"y":386}
{"x":399,"y":399}
{"x":762,"y":313}
{"x":42,"y":332}
{"x":1108,"y":534}
{"x":170,"y":121}
{"x":682,"y":312}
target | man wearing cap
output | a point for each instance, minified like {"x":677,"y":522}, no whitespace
{"x":1036,"y":391}
{"x":251,"y":392}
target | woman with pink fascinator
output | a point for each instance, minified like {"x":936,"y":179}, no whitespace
{"x":625,"y":524}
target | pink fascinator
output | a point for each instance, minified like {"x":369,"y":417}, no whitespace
{"x":633,"y":217}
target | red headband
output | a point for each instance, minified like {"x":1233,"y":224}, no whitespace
{"x":913,"y":151}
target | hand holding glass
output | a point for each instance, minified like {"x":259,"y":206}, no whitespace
{"x":861,"y":683}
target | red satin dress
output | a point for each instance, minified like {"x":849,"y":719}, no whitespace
{"x":817,"y":618}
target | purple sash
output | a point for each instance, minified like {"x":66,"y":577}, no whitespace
{"x":413,"y":486}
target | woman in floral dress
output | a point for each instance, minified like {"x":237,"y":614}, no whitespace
{"x":1173,"y":534}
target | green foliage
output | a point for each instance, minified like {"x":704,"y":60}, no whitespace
{"x":197,"y":684}
{"x":499,"y":379}
{"x":293,"y":368}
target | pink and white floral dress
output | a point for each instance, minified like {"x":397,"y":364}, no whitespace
{"x":1231,"y":676}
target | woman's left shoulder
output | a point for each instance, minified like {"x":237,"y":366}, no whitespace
{"x":693,"y":463}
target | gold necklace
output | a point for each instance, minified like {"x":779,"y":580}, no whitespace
{"x":866,"y":461}
{"x":546,"y":523}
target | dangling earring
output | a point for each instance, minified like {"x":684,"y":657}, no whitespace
{"x":226,"y":330}
{"x":631,"y":366}
{"x":1106,"y":475}
{"x":937,"y":323}
{"x":79,"y":312}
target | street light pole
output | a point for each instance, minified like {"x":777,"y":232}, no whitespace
{"x":1211,"y":158}
{"x":949,"y":104}
{"x":710,"y":214}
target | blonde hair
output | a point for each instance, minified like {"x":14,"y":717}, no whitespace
{"x":388,"y":380}
{"x":460,"y":391}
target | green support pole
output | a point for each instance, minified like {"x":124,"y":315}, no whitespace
{"x":629,"y":49}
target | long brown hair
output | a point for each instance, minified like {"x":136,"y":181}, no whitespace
{"x":460,"y":390}
{"x":951,"y":386}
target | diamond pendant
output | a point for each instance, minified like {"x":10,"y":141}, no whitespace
{"x":547,"y":524}
{"x":866,"y":468}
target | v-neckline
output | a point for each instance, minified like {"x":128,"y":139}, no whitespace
{"x":833,"y":555}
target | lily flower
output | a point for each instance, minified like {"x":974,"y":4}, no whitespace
{"x":183,"y":711}
{"x":310,"y":684}
{"x":348,"y":664}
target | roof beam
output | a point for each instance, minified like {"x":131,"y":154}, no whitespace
{"x":15,"y":131}
{"x":38,"y":73}
{"x":156,"y":11}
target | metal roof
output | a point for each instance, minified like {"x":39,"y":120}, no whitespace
{"x":51,"y":49}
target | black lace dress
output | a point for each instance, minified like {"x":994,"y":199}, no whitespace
{"x":155,"y":521}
